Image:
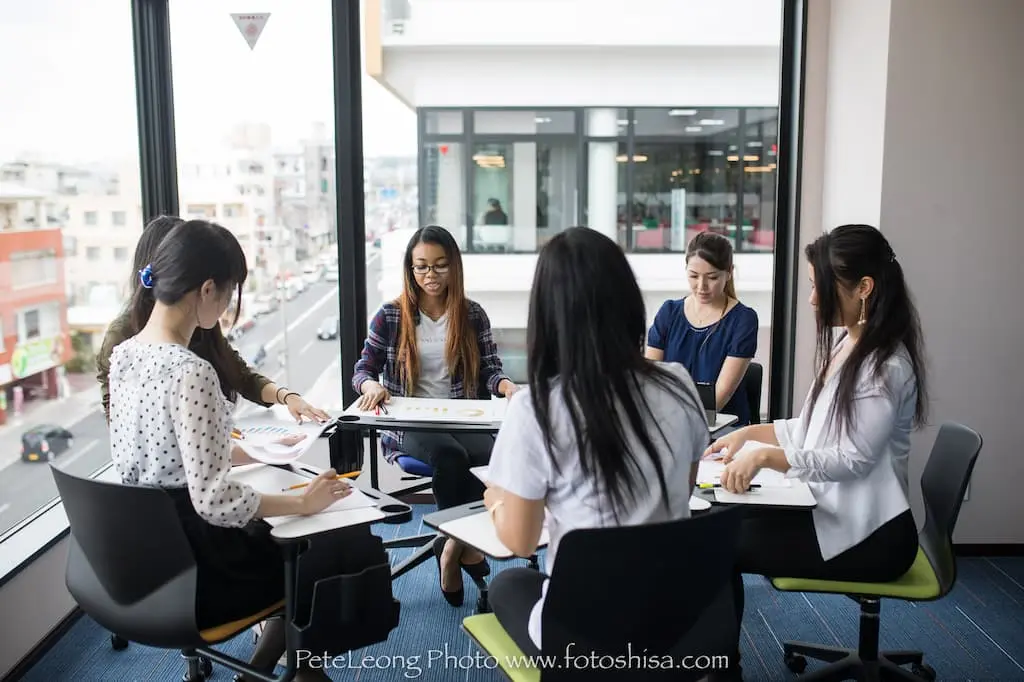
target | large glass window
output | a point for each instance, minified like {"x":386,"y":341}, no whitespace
{"x":66,"y":174}
{"x":255,"y":136}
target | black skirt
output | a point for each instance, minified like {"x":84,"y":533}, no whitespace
{"x":240,"y":571}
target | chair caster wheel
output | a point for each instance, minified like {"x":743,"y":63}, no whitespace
{"x":795,"y":662}
{"x":118,"y":643}
{"x":206,"y":666}
{"x":924,"y":671}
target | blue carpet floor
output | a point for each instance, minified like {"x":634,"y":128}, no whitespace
{"x":975,"y":633}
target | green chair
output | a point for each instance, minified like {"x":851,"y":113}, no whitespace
{"x":604,"y":600}
{"x":931,"y":577}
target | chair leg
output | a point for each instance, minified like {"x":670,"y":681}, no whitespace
{"x":902,"y":657}
{"x":849,"y":668}
{"x":194,"y":667}
{"x":533,"y":562}
{"x":819,"y":652}
{"x":423,"y":554}
{"x":890,"y":671}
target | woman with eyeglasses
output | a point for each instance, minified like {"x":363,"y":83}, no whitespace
{"x":709,"y":332}
{"x":433,"y":342}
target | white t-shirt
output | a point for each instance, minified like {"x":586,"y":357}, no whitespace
{"x":520,"y":464}
{"x":434,"y":380}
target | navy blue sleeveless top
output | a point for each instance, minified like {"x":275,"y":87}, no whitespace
{"x":703,"y":350}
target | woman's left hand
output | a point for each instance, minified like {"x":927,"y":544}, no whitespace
{"x":507,"y":388}
{"x":740,"y":472}
{"x":299,"y":408}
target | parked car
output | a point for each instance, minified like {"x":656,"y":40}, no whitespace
{"x":328,"y":330}
{"x":43,"y":443}
{"x":258,"y":358}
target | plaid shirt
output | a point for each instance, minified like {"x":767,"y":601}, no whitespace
{"x":379,"y":361}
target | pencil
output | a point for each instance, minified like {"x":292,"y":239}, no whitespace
{"x":351,"y":474}
{"x":237,"y":435}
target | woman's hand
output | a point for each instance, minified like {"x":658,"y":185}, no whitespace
{"x":323,"y":491}
{"x":727,"y":445}
{"x":373,"y":395}
{"x":491,"y":496}
{"x":507,"y":388}
{"x":299,"y":408}
{"x":738,"y":474}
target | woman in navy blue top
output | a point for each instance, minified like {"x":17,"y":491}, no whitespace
{"x":710,"y":332}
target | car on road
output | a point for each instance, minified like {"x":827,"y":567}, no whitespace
{"x":258,"y":358}
{"x":43,"y":443}
{"x":331,"y":275}
{"x":328,"y":329}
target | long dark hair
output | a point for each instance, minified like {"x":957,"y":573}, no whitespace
{"x":715,"y":250}
{"x":188,"y":255}
{"x":586,"y":331}
{"x":841,"y":258}
{"x":460,"y":349}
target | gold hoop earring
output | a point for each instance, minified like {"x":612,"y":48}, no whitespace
{"x":863,"y":316}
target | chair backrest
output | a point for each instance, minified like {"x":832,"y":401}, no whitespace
{"x":127,"y":545}
{"x":943,"y":485}
{"x":752,"y":384}
{"x":625,"y":590}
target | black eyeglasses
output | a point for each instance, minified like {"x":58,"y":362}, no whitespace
{"x":424,"y":269}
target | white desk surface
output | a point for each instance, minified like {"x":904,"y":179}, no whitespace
{"x":776,"y":490}
{"x":354,"y":510}
{"x":722,"y":421}
{"x":477,"y":530}
{"x":432,"y":410}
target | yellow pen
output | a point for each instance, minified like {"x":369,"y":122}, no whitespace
{"x":351,"y":474}
{"x":706,"y":486}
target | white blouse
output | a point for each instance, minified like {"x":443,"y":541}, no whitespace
{"x":170,"y":426}
{"x":859,"y":479}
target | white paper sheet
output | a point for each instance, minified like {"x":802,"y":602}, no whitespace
{"x":435,"y":410}
{"x":261,"y":433}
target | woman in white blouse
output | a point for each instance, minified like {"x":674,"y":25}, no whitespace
{"x":170,"y":427}
{"x":603,"y":437}
{"x":852,"y":438}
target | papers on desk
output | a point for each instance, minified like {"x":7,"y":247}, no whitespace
{"x":261,"y":436}
{"x":776,"y":490}
{"x":270,"y":480}
{"x":435,"y":410}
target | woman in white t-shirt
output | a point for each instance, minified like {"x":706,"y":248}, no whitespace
{"x":603,"y":437}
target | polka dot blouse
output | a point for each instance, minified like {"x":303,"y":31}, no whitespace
{"x":170,"y":426}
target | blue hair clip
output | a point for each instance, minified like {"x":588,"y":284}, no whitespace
{"x":146,"y":276}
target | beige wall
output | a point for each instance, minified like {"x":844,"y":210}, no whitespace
{"x":951,"y":178}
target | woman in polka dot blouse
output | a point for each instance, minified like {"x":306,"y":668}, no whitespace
{"x":170,"y":427}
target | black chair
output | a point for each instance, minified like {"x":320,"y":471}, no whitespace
{"x":642,"y":591}
{"x":943,"y":484}
{"x":132,"y":570}
{"x":752,"y":381}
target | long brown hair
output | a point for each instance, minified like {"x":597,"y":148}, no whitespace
{"x":460,"y":349}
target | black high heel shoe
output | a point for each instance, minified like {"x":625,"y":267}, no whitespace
{"x":454,"y":598}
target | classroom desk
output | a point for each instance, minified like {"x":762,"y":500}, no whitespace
{"x":291,"y":532}
{"x":351,"y":419}
{"x":722,"y":421}
{"x":269,"y":479}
